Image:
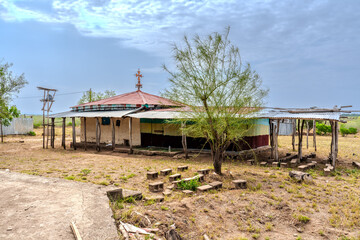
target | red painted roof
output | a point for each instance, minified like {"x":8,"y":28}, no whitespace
{"x":137,"y":97}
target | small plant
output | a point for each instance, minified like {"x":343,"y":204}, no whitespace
{"x":70,"y":177}
{"x":164,"y":208}
{"x":255,"y":236}
{"x":268,"y":226}
{"x":31,"y":133}
{"x":37,"y":125}
{"x":302,"y":218}
{"x":189,"y":185}
{"x":125,"y":178}
{"x":85,"y":172}
{"x":105,"y":183}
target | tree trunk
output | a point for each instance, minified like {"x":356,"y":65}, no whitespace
{"x":2,"y":134}
{"x":217,"y":157}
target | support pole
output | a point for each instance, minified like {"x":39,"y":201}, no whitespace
{"x":85,"y":140}
{"x":52,"y":132}
{"x":1,"y":130}
{"x":334,"y":141}
{"x":73,"y":133}
{"x":314,"y":134}
{"x":300,"y":132}
{"x":63,"y":132}
{"x":307,"y":134}
{"x":183,"y":140}
{"x":277,"y":127}
{"x":98,"y":134}
{"x":271,"y":125}
{"x":113,"y":133}
{"x":130,"y":135}
{"x":293,"y":133}
{"x":44,"y":133}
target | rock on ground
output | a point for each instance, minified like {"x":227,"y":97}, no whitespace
{"x":36,"y":207}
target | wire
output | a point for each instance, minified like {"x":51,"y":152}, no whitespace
{"x":61,"y":94}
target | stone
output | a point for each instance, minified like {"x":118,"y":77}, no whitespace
{"x":356,"y":164}
{"x":120,"y":193}
{"x":204,"y":171}
{"x":312,"y":164}
{"x":204,"y":188}
{"x":300,"y":176}
{"x":284,"y":164}
{"x":275,"y":164}
{"x":263,"y":164}
{"x":250,"y":162}
{"x":216,"y":185}
{"x":288,"y":154}
{"x":156,"y":186}
{"x":189,"y":192}
{"x":174,"y":177}
{"x":327,"y":171}
{"x":152,"y":175}
{"x":240,"y":184}
{"x":303,"y":167}
{"x":165,"y":172}
{"x":293,"y":163}
{"x":200,"y":177}
{"x":9,"y":229}
{"x":167,"y":192}
{"x":182,"y":168}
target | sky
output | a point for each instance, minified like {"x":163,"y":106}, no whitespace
{"x":307,"y":53}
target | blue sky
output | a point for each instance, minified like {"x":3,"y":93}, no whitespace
{"x":306,"y":52}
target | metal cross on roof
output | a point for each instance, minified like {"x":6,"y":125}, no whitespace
{"x":138,"y":75}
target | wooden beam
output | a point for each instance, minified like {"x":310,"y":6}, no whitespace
{"x":73,"y":133}
{"x":75,"y":231}
{"x":85,"y":140}
{"x":63,"y":132}
{"x":130,"y":135}
{"x":314,"y":134}
{"x":113,"y":133}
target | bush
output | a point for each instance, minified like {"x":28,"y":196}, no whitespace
{"x":37,"y":125}
{"x":322,"y":129}
{"x":189,"y":185}
{"x":344,"y":131}
{"x":31,"y":133}
{"x":353,"y":130}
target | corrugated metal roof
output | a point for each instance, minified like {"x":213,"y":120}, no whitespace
{"x":305,"y":116}
{"x":157,"y":115}
{"x":92,"y":114}
{"x":136,"y":97}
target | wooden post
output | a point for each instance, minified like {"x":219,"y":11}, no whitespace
{"x":52,"y":142}
{"x":277,"y":127}
{"x":113,"y":133}
{"x":2,"y":134}
{"x":293,"y":133}
{"x":183,"y":141}
{"x":334,"y":141}
{"x":307,"y":134}
{"x":44,"y":121}
{"x":314,"y":134}
{"x":73,"y":133}
{"x":63,"y":133}
{"x":300,"y":133}
{"x":98,"y":134}
{"x":85,"y":140}
{"x":130,"y":135}
{"x":271,"y":125}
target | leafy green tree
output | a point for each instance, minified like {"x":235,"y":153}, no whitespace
{"x":91,"y":96}
{"x":9,"y":85}
{"x":220,"y":91}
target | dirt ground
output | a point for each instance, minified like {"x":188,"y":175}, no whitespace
{"x":273,"y":206}
{"x":33,"y":207}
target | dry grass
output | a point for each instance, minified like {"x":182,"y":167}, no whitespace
{"x":273,"y":207}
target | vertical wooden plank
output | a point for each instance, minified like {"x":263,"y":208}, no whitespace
{"x":271,"y":126}
{"x":63,"y":133}
{"x":73,"y":133}
{"x":130,"y":135}
{"x":336,"y":142}
{"x":44,"y":121}
{"x":85,"y":140}
{"x":98,"y":134}
{"x":314,"y":134}
{"x":307,"y":134}
{"x":113,"y":134}
{"x":300,"y":132}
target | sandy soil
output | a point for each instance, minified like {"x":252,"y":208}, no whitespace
{"x":273,"y":206}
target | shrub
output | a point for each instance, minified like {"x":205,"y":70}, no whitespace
{"x":85,"y":172}
{"x":344,"y":131}
{"x":37,"y":125}
{"x":322,"y":129}
{"x":189,"y":185}
{"x":353,"y":130}
{"x":31,"y":133}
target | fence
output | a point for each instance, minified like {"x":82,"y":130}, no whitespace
{"x":19,"y":126}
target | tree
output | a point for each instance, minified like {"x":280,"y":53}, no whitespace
{"x":9,"y":85}
{"x":90,"y":96}
{"x":220,"y":91}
